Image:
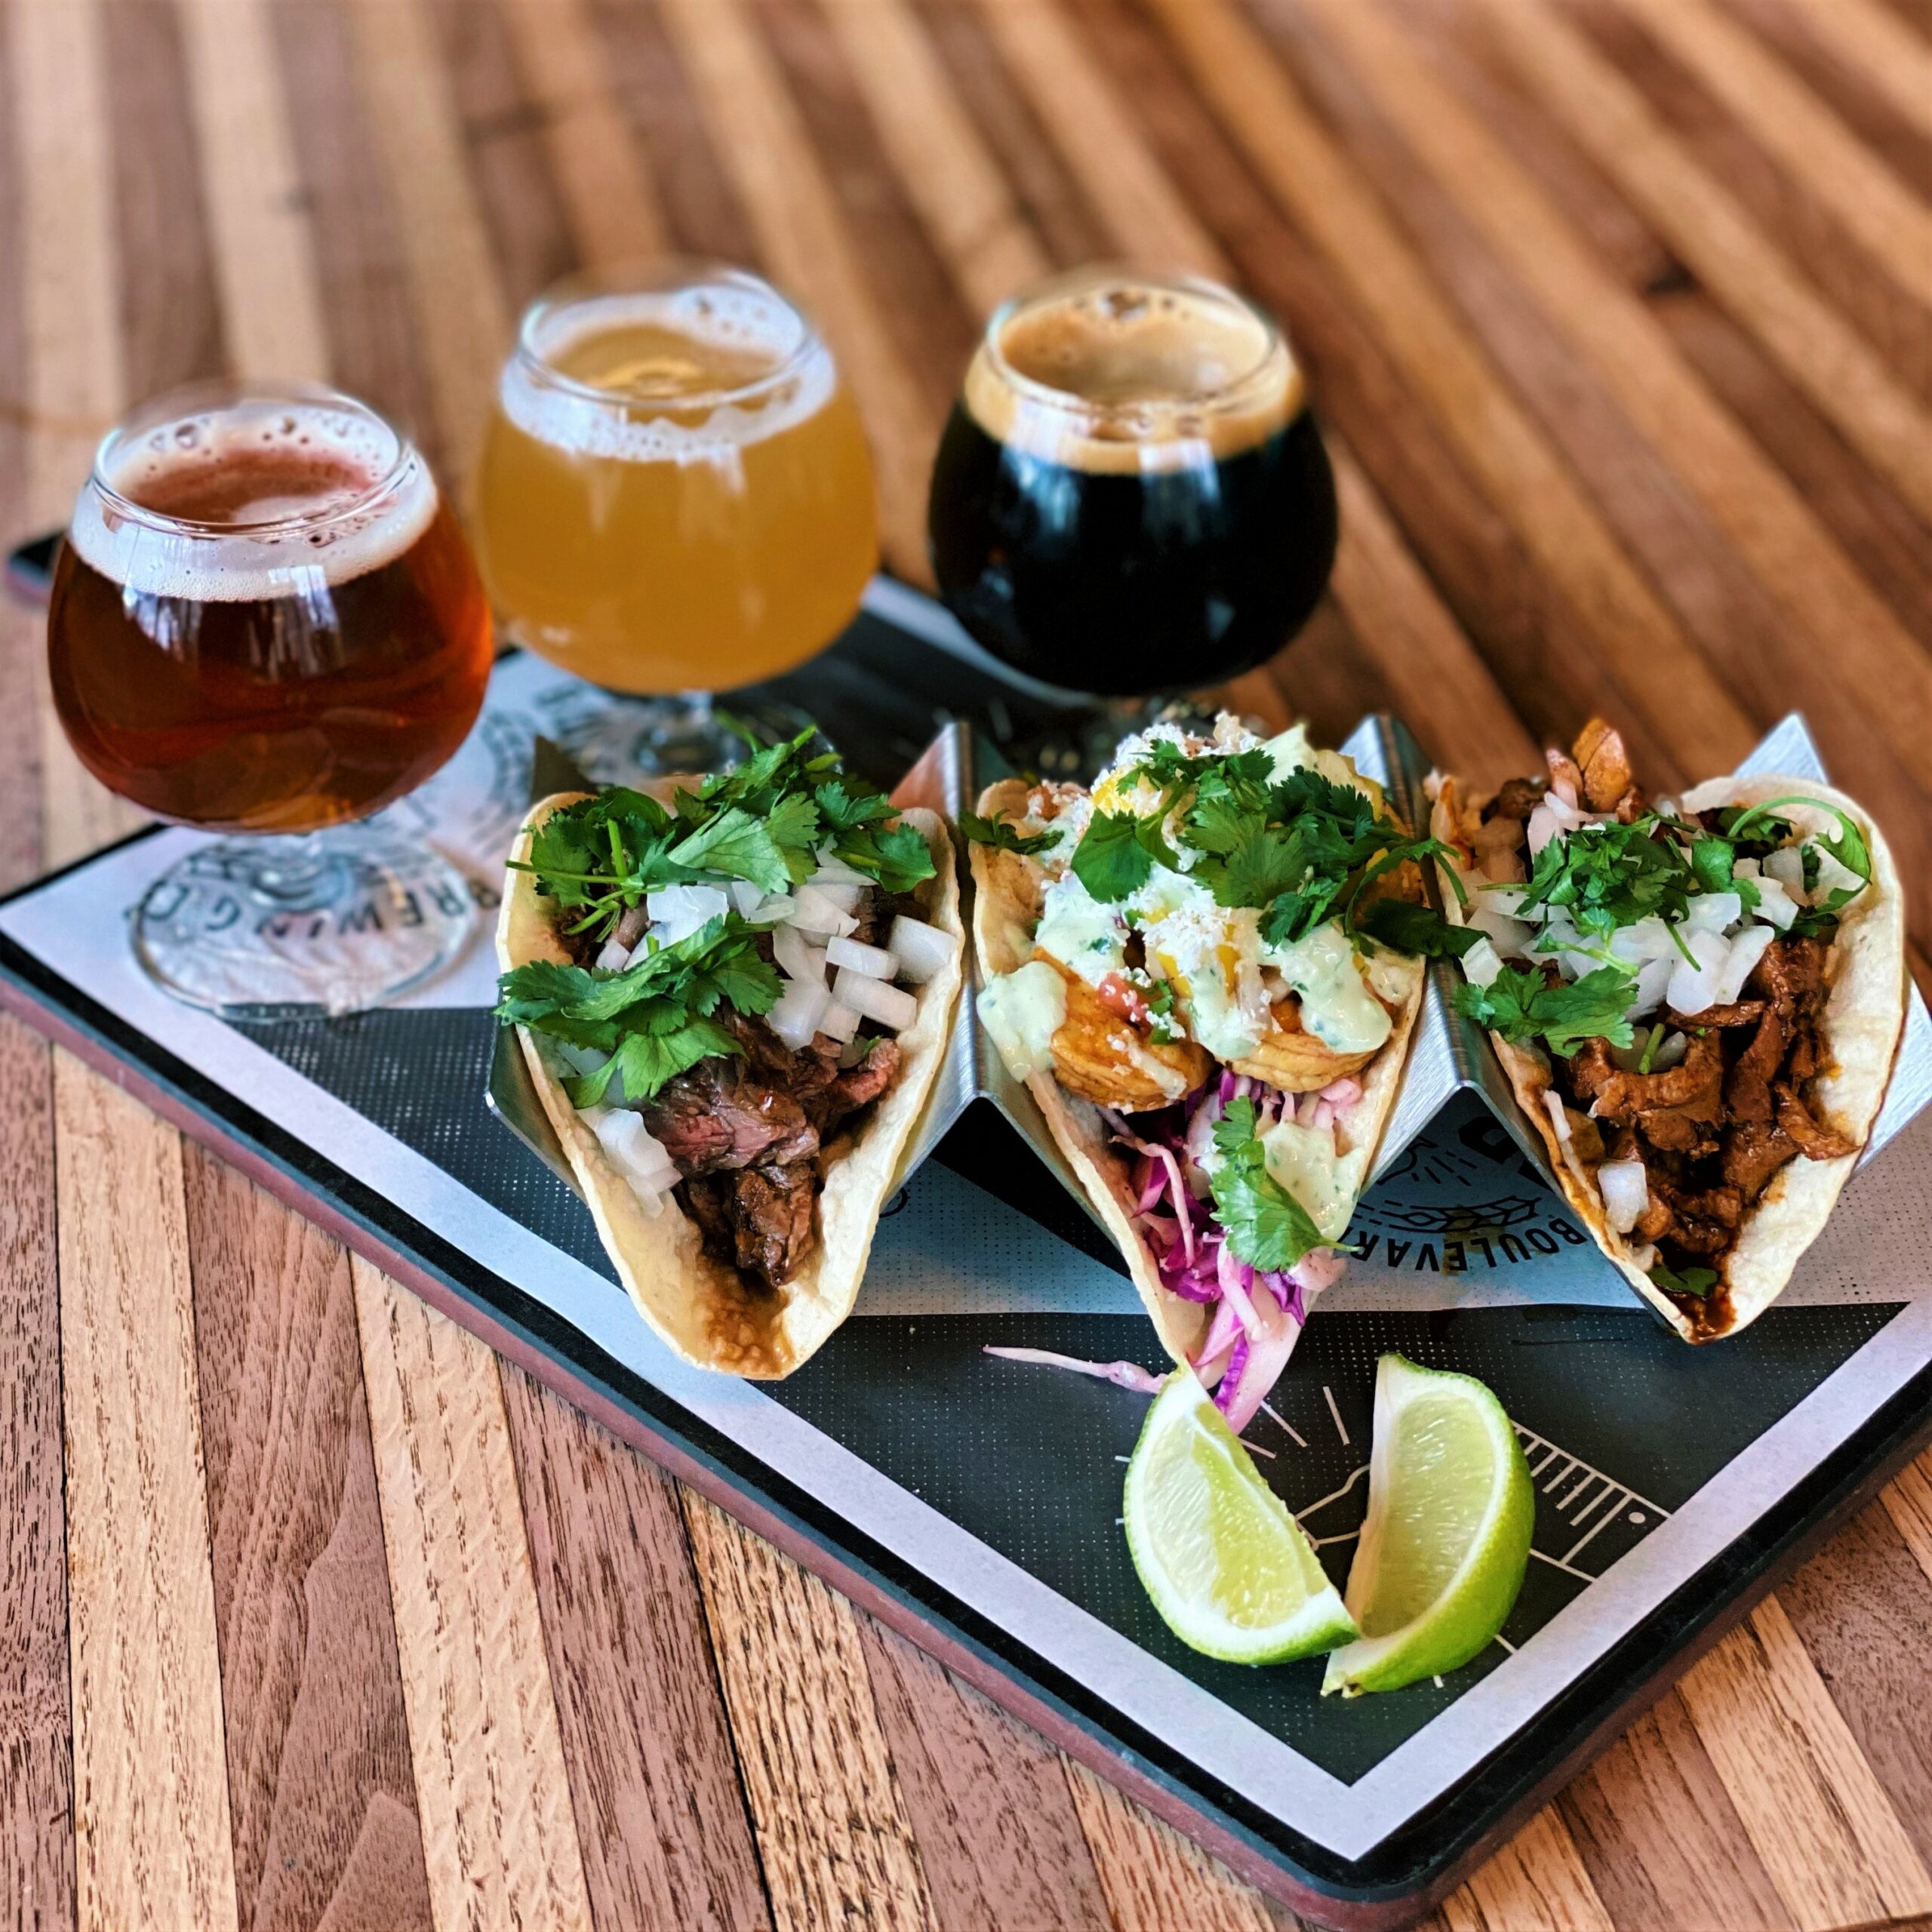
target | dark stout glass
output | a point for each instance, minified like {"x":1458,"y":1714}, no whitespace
{"x":1131,"y":496}
{"x":266,"y":619}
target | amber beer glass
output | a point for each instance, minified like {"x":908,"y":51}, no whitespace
{"x":1131,"y":497}
{"x":674,"y":496}
{"x":265,"y":619}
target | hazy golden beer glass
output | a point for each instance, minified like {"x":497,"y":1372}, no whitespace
{"x":674,"y":494}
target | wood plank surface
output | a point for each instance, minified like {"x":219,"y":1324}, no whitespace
{"x":1619,"y":313}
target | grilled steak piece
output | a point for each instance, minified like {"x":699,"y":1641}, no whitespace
{"x":1753,"y":1153}
{"x":772,"y":1214}
{"x":1589,"y":1069}
{"x":1816,"y":1142}
{"x":1792,"y":976}
{"x":1747,"y":1087}
{"x":1739,"y":1013}
{"x":717,"y":1114}
{"x":1694,"y":1087}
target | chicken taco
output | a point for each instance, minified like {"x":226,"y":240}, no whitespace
{"x":1698,"y":1002}
{"x":1206,"y":969}
{"x":733,"y":994}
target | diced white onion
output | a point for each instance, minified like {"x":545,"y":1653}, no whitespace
{"x":1786,"y":865}
{"x":780,"y":905}
{"x":1481,"y":963}
{"x":1647,"y":938}
{"x":1746,"y":950}
{"x":635,"y":1152}
{"x":921,"y":950}
{"x":1654,"y":978}
{"x":1712,"y":912}
{"x":815,"y":913}
{"x":615,"y":957}
{"x":795,"y":1017}
{"x":873,"y":960}
{"x":582,"y":1061}
{"x":844,"y":893}
{"x":796,"y":956}
{"x":678,"y":911}
{"x":1542,"y":828}
{"x":746,"y":897}
{"x":889,"y":1005}
{"x":1775,"y":906}
{"x":1671,"y":1053}
{"x":1745,"y":868}
{"x":1552,"y":1104}
{"x":1510,"y":937}
{"x":839,"y":1022}
{"x":1693,"y":988}
{"x":1626,"y":1189}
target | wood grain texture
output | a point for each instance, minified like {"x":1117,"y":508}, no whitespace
{"x":265,"y":259}
{"x":999,"y":1840}
{"x":793,"y":1667}
{"x":1536,"y":1883}
{"x":1153,"y":1878}
{"x":1658,"y":1834}
{"x":153,"y":1847}
{"x":322,"y":1791}
{"x":755,"y":128}
{"x":500,"y":1838}
{"x":1908,"y":1501}
{"x":654,"y":1780}
{"x":1811,"y":1806}
{"x":36,"y":1738}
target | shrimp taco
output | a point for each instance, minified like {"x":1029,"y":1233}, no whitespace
{"x":732,"y":995}
{"x":1206,"y":969}
{"x":1698,"y":1002}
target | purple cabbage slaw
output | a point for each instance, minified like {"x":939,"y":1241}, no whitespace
{"x":1259,"y":1313}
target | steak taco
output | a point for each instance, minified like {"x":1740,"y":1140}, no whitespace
{"x":1206,"y":971}
{"x":1697,"y":1002}
{"x":732,"y":995}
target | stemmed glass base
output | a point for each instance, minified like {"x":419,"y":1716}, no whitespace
{"x":301,"y":927}
{"x":625,"y":739}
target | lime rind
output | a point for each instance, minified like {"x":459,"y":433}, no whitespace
{"x":1467,"y":1612}
{"x":1230,"y":1571}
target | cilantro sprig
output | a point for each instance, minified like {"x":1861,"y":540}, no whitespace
{"x":1301,"y":848}
{"x":765,"y":823}
{"x":1523,"y":1006}
{"x":1265,"y":1226}
{"x":1847,"y":845}
{"x":1002,"y":837}
{"x":655,"y":1018}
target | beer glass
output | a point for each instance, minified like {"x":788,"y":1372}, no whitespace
{"x":1130,"y":496}
{"x":674,"y":496}
{"x":266,"y":620}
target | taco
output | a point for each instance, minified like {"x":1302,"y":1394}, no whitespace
{"x":733,"y":994}
{"x":1697,"y":1004}
{"x":1206,"y":971}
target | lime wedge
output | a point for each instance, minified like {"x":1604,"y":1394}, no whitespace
{"x":1225,"y":1564}
{"x":1451,"y":1508}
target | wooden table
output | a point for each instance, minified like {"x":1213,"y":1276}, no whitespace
{"x":1617,"y":312}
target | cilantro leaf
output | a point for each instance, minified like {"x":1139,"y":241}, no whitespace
{"x":737,"y":844}
{"x":1265,"y":1226}
{"x":1712,"y":859}
{"x":1613,"y":874}
{"x":1419,"y":929}
{"x":1522,"y":1006}
{"x":1695,"y":1282}
{"x":1116,"y":855}
{"x":1002,"y":838}
{"x":848,"y":803}
{"x":897,"y":856}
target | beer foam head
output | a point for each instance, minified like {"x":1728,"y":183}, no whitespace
{"x":1115,"y":373}
{"x":252,"y":499}
{"x":667,"y":375}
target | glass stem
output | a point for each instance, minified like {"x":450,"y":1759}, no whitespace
{"x":300,"y":868}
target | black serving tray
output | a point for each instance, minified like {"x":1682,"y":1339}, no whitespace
{"x":971,"y":1502}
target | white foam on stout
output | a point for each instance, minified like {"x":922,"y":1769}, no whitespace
{"x":725,"y":322}
{"x":348,"y":526}
{"x":1138,"y":378}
